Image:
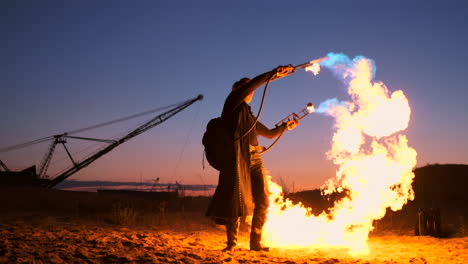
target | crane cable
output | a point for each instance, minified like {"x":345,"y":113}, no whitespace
{"x":41,"y":140}
{"x":26,"y":144}
{"x":186,"y":142}
{"x":114,"y":137}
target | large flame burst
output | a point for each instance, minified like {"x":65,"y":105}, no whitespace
{"x":373,"y":159}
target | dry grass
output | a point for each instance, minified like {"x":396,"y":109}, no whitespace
{"x":123,"y":213}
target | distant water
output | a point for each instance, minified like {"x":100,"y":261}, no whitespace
{"x":93,"y":186}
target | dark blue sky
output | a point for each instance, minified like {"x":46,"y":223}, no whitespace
{"x":69,"y":64}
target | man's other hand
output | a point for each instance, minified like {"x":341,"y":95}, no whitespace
{"x":292,"y":124}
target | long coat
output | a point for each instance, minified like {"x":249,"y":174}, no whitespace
{"x":233,"y":195}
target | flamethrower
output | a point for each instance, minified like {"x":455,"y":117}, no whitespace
{"x":303,"y":113}
{"x":313,"y":66}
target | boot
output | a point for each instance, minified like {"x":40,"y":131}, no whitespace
{"x":231,"y":233}
{"x":255,"y":238}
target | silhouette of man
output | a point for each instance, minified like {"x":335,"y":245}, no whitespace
{"x":242,"y":188}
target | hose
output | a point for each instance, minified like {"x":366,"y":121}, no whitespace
{"x":259,"y":110}
{"x":272,"y":144}
{"x":258,"y":116}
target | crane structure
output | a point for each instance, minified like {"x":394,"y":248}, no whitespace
{"x":78,"y":165}
{"x":3,"y":166}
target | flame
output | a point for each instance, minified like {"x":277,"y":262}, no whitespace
{"x":310,"y":108}
{"x":374,"y":165}
{"x":314,"y":68}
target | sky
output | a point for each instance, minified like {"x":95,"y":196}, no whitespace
{"x":67,"y":65}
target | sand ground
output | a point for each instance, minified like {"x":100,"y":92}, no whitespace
{"x":188,"y":238}
{"x":53,"y":226}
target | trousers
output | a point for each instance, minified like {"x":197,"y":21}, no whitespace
{"x":260,"y":196}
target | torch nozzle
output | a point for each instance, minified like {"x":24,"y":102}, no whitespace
{"x":310,"y":63}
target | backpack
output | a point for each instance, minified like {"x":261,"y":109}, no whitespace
{"x":217,"y":142}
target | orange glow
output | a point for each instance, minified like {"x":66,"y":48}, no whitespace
{"x":374,"y":164}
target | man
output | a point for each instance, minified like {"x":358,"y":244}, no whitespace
{"x":242,"y":186}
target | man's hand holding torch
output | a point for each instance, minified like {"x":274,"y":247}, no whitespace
{"x":291,"y":124}
{"x":283,"y":71}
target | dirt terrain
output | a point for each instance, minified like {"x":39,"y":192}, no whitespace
{"x":187,"y":238}
{"x":56,"y":226}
